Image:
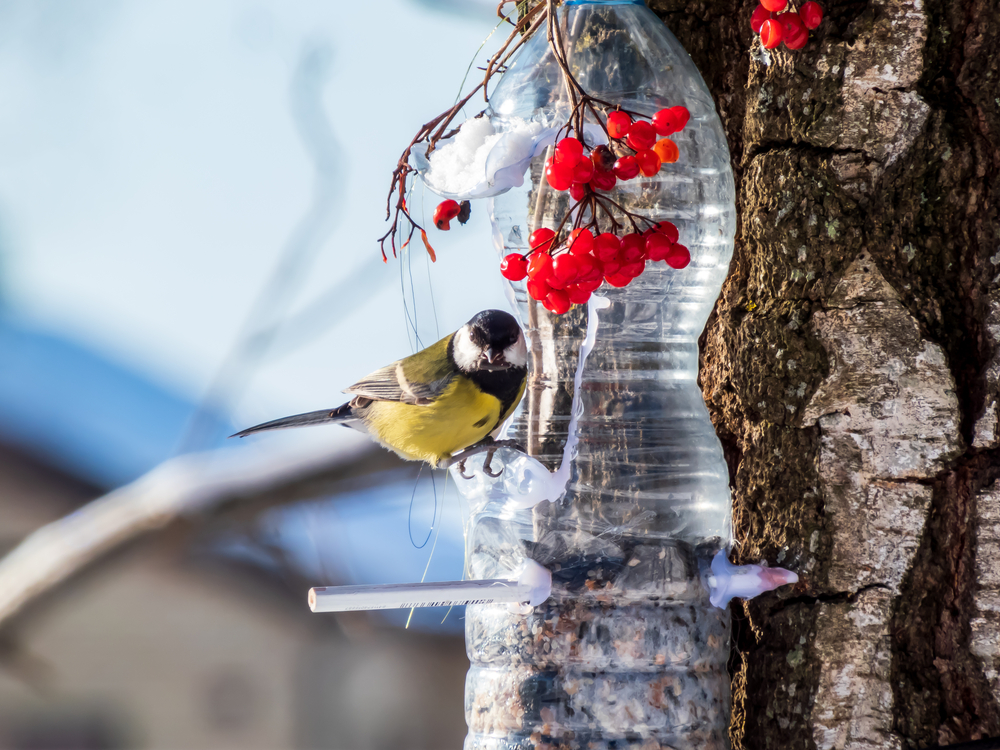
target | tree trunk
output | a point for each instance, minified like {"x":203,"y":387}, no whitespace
{"x":852,"y":368}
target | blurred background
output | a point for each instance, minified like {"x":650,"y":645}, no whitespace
{"x":190,"y":197}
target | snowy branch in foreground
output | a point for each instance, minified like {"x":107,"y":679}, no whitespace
{"x":185,"y":485}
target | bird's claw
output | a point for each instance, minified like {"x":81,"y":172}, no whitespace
{"x":487,"y":467}
{"x":461,"y":470}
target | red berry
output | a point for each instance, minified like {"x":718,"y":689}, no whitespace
{"x":775,"y":6}
{"x":541,"y":239}
{"x":538,"y":289}
{"x":611,"y":267}
{"x":559,"y":176}
{"x":627,"y":167}
{"x":666,"y":150}
{"x":757,"y":18}
{"x":678,"y":257}
{"x":606,"y":246}
{"x":603,"y":180}
{"x":633,"y":248}
{"x":578,"y":191}
{"x":619,"y":124}
{"x":557,"y":302}
{"x":633,"y":270}
{"x":566,"y":267}
{"x":669,"y":121}
{"x":811,"y":14}
{"x":648,"y":161}
{"x":797,"y":42}
{"x":641,"y":135}
{"x":658,"y":246}
{"x":569,"y":151}
{"x":514,"y":267}
{"x":588,"y":270}
{"x":618,"y":279}
{"x":668,"y":230}
{"x":584,"y":170}
{"x":680,"y":116}
{"x":771,"y":33}
{"x":444,"y":213}
{"x":540,"y":267}
{"x":796,"y":35}
{"x":581,"y":241}
{"x":578,"y":295}
{"x":592,"y":284}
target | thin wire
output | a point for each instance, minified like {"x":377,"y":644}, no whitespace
{"x":437,"y":536}
{"x":409,"y":515}
{"x":473,"y":61}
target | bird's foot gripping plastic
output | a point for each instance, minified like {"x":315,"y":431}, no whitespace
{"x":745,"y":581}
{"x":488,"y":446}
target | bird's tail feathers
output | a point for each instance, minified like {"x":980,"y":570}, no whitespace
{"x":323,"y":416}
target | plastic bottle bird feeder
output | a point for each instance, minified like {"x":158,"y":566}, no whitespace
{"x":628,"y":651}
{"x":597,"y":582}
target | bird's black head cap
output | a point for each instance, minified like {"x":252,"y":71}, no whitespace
{"x":494,"y":328}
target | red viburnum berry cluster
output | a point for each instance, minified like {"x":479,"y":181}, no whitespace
{"x":564,"y":270}
{"x":636,"y":150}
{"x":775,"y":24}
{"x":569,"y":274}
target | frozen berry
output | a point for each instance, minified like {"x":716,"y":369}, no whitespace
{"x":557,"y":302}
{"x":514,"y":267}
{"x":666,"y":150}
{"x":603,"y":180}
{"x":760,"y":14}
{"x":541,"y":239}
{"x":581,"y":241}
{"x":772,"y":32}
{"x":602,"y":158}
{"x":648,"y":161}
{"x":569,"y":151}
{"x":619,"y":124}
{"x":678,"y":257}
{"x":627,"y":167}
{"x":641,"y":135}
{"x":445,"y":212}
{"x":606,"y":246}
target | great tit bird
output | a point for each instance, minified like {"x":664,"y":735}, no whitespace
{"x":443,"y":399}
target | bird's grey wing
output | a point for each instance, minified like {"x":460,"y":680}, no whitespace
{"x":391,"y":384}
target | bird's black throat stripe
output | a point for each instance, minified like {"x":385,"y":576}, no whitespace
{"x":503,"y":384}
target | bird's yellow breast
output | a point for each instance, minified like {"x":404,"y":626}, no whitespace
{"x":461,"y":416}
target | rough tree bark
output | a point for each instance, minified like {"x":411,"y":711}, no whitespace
{"x":853,"y":367}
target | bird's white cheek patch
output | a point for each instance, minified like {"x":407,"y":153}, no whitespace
{"x":466,"y":353}
{"x":517,"y":353}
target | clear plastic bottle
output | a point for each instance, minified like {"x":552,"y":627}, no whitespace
{"x":628,"y":651}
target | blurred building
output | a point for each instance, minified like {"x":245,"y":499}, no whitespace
{"x":176,"y":642}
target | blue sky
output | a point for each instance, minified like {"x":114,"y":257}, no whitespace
{"x":154,"y":172}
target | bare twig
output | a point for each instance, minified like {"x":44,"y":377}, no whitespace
{"x":190,"y":484}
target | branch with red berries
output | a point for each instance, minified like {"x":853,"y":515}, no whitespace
{"x":435,"y":130}
{"x":777,"y":21}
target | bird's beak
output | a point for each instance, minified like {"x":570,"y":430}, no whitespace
{"x":491,"y":354}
